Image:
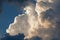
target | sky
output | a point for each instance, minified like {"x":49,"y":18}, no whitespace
{"x":7,"y":16}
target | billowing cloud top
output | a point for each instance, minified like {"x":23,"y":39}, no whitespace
{"x":40,"y":19}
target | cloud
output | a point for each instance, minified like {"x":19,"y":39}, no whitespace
{"x":40,"y":19}
{"x":20,"y":23}
{"x":34,"y":38}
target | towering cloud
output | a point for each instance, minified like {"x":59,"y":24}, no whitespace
{"x":40,"y":19}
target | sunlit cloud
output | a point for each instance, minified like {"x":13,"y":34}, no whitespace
{"x":39,"y":20}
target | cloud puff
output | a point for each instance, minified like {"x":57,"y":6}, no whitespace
{"x":20,"y":23}
{"x":39,"y":20}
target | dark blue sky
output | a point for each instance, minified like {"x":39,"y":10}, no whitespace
{"x":7,"y":16}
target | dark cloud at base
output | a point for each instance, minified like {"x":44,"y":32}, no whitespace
{"x":34,"y":38}
{"x":21,"y":37}
{"x":55,"y":39}
{"x":16,"y":37}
